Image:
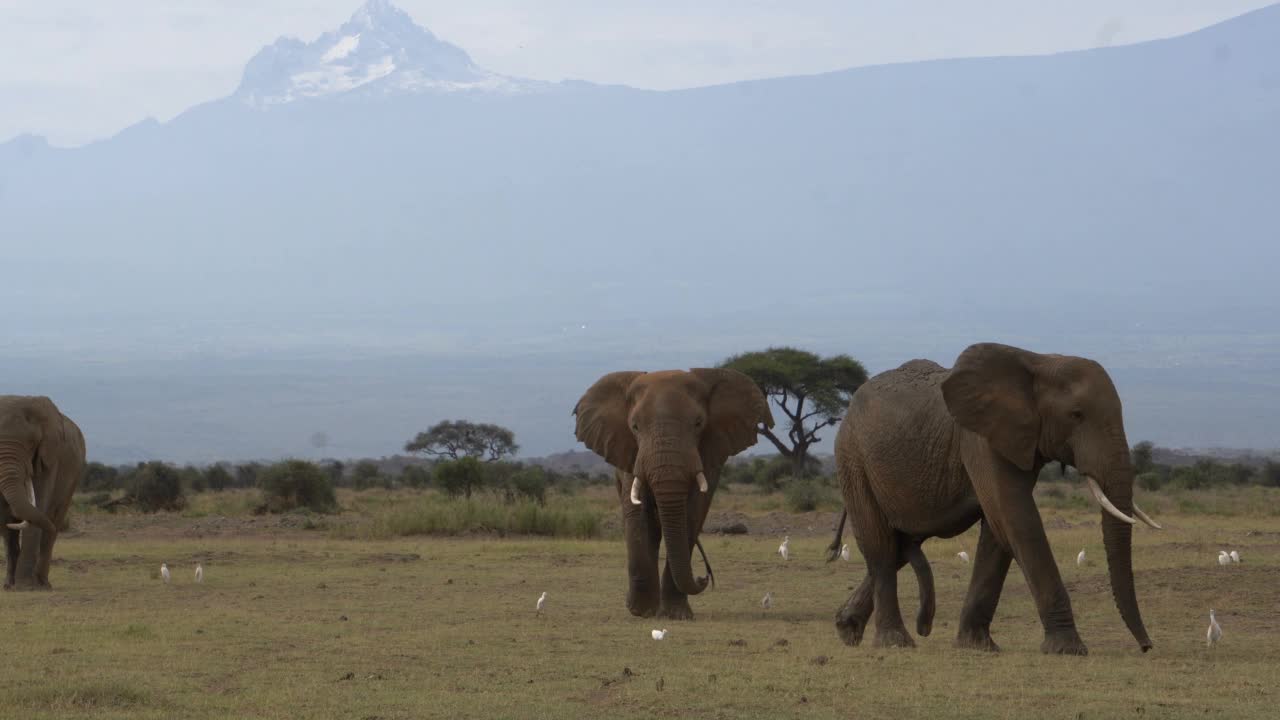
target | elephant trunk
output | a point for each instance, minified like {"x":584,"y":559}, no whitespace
{"x":1117,"y":538}
{"x":672,"y":500}
{"x":14,"y":487}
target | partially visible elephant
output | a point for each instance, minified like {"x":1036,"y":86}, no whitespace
{"x":42,"y":454}
{"x":927,"y":452}
{"x":668,"y":434}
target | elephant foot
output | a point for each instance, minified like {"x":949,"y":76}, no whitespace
{"x":676,"y":608}
{"x":893,"y":637}
{"x":642,"y":604}
{"x":976,"y":638}
{"x":850,"y":630}
{"x":1067,"y":643}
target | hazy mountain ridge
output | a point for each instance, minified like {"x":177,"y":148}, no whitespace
{"x":297,"y":262}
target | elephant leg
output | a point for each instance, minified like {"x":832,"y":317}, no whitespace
{"x":45,"y":559}
{"x":11,"y":557}
{"x":924,"y":578}
{"x":851,"y":620}
{"x":641,"y":533}
{"x":1022,"y":525}
{"x":990,"y":567}
{"x":28,"y":559}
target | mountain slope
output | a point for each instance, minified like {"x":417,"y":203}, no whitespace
{"x":876,"y":210}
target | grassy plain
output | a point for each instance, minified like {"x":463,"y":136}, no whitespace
{"x":328,"y":623}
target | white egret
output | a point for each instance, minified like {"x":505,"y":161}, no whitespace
{"x":844,"y":552}
{"x":782,"y":549}
{"x":1235,"y":556}
{"x":199,"y":573}
{"x":1215,"y":630}
{"x":1080,"y":557}
{"x":767,"y":601}
{"x":542,"y":601}
{"x":1223,"y":558}
{"x":164,"y":572}
{"x":659,"y":634}
{"x":964,"y":557}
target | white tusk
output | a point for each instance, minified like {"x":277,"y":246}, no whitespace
{"x":702,"y":482}
{"x":1105,"y":503}
{"x":1137,"y":511}
{"x":31,"y":490}
{"x":16,"y":526}
{"x":635,"y":490}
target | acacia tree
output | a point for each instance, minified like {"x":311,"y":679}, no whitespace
{"x":456,"y":439}
{"x":813,"y":392}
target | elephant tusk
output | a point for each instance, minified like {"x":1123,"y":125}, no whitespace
{"x":1137,"y":511}
{"x":635,"y":490}
{"x":702,"y":482}
{"x":1101,"y":497}
{"x":31,"y":491}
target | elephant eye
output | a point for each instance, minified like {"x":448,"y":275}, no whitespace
{"x":697,"y":422}
{"x":635,"y":426}
{"x":1077,"y":415}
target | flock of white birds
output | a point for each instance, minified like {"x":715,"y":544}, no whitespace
{"x":166,"y":576}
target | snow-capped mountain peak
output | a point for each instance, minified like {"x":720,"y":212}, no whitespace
{"x":378,"y":51}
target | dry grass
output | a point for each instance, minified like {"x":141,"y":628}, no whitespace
{"x":312,"y":626}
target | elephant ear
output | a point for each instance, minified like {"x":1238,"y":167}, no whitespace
{"x":602,"y":419}
{"x":991,"y":391}
{"x":736,"y":408}
{"x":47,"y":420}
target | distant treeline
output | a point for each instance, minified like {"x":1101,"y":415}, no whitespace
{"x":153,"y":486}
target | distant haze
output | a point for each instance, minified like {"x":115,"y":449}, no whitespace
{"x":374,"y":232}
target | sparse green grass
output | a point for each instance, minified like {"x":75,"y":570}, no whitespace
{"x":431,"y":514}
{"x":307,"y":625}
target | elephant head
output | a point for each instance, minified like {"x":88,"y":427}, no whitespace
{"x":1034,"y":408}
{"x":667,"y":429}
{"x":30,"y":434}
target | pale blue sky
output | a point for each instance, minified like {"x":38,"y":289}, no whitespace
{"x":76,"y":71}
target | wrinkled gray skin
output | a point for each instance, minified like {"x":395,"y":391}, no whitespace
{"x":928,"y":452}
{"x":41,"y":446}
{"x":665,"y":428}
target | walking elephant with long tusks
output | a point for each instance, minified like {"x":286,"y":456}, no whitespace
{"x":667,"y":434}
{"x":928,"y":452}
{"x":42,"y":458}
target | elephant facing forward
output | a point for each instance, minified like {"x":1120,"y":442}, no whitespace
{"x":667,"y":434}
{"x":927,"y":452}
{"x":42,"y":458}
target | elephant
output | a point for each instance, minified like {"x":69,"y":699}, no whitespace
{"x":42,"y":458}
{"x":668,"y":434}
{"x":928,"y":452}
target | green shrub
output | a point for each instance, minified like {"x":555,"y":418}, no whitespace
{"x":807,"y":495}
{"x":296,"y":484}
{"x":217,"y":478}
{"x":156,"y":486}
{"x":434,"y":515}
{"x":415,"y":476}
{"x":531,"y":483}
{"x":366,"y":475}
{"x":1150,"y":480}
{"x":460,"y":477}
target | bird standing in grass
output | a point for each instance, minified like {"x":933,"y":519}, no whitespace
{"x":164,"y":573}
{"x":199,"y":573}
{"x":782,"y":549}
{"x":1223,"y":558}
{"x":1235,"y":556}
{"x":767,"y":601}
{"x":1215,"y":630}
{"x":542,"y":601}
{"x":1080,"y":557}
{"x":659,"y":634}
{"x":964,"y":557}
{"x":844,"y":552}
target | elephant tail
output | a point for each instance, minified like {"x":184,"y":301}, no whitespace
{"x":833,"y":550}
{"x":707,"y":564}
{"x":924,"y":578}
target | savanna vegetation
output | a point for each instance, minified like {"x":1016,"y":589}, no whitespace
{"x":404,"y":587}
